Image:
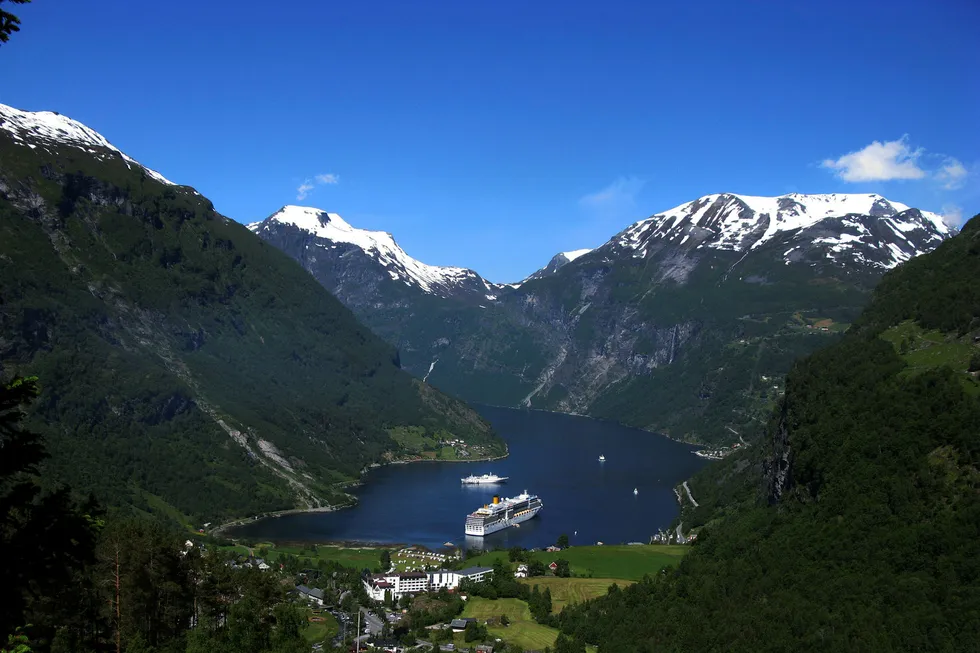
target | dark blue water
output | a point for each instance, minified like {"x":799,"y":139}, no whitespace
{"x":554,"y":456}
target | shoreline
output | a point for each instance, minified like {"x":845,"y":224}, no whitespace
{"x":438,"y":460}
{"x":242,"y":521}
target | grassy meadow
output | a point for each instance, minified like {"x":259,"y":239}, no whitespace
{"x":522,"y":630}
{"x":565,"y":591}
{"x":622,"y":562}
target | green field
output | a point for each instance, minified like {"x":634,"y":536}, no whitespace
{"x":609,"y":562}
{"x":523,"y":630}
{"x":415,"y":442}
{"x":358,"y":558}
{"x":318,"y":631}
{"x":925,"y":349}
{"x":573,"y":590}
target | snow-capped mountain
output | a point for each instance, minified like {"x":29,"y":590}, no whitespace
{"x":848,"y":227}
{"x":556,"y":263}
{"x":48,"y":130}
{"x":315,"y":237}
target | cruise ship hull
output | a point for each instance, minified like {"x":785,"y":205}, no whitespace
{"x":500,"y":524}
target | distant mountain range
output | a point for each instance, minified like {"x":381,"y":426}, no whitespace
{"x":681,"y":323}
{"x":187,"y":367}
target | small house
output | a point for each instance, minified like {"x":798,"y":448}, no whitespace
{"x":553,"y":566}
{"x":311,"y":594}
{"x":459,"y":625}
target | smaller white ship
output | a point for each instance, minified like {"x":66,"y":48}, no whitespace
{"x":485,"y":479}
{"x":602,"y":458}
{"x":635,"y":492}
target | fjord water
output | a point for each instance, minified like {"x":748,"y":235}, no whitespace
{"x":552,"y":455}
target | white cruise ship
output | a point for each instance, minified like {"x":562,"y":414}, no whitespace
{"x":502,"y":513}
{"x":485,"y":479}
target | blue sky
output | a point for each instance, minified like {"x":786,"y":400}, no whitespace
{"x":493,"y":134}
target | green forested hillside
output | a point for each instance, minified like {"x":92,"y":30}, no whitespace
{"x":862,"y":531}
{"x":182,"y":360}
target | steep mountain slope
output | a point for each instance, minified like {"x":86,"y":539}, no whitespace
{"x":681,"y":323}
{"x":862,"y":531}
{"x":183,"y":360}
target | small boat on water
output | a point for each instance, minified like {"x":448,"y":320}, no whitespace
{"x":635,"y":492}
{"x":602,"y":458}
{"x":485,"y":479}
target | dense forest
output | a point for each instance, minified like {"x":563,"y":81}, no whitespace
{"x":857,"y":525}
{"x":185,"y":366}
{"x":77,"y":579}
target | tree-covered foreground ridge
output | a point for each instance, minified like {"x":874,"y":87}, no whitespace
{"x":857,"y":524}
{"x":78,"y":580}
{"x":185,"y":366}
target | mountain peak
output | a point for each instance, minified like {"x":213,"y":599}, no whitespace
{"x":558,"y":261}
{"x":47,"y":128}
{"x":331,"y":230}
{"x":728,"y":221}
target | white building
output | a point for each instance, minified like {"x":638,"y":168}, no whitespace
{"x":416,"y":582}
{"x":521,"y":571}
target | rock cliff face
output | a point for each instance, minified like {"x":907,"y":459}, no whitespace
{"x":683,"y":323}
{"x":778,"y":464}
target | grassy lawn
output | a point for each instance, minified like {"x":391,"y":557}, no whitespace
{"x":317,"y":631}
{"x":609,"y":562}
{"x":565,"y":591}
{"x":523,"y":630}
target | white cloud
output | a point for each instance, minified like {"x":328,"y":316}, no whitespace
{"x":879,"y":162}
{"x":308,"y":185}
{"x":616,"y":198}
{"x":952,"y":174}
{"x":304,"y":190}
{"x":952,"y":215}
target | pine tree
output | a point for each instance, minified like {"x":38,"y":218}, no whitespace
{"x":8,"y":22}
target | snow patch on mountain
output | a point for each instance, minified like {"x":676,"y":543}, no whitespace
{"x":380,"y":245}
{"x":743,"y":222}
{"x":575,"y":253}
{"x":34,"y":128}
